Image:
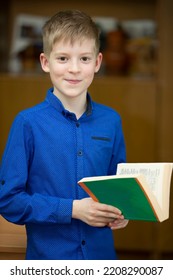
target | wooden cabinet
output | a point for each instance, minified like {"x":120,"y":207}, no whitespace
{"x":12,"y":241}
{"x":144,"y":104}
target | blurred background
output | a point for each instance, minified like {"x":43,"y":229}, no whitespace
{"x":135,"y":79}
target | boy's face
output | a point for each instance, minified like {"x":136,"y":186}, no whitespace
{"x":72,"y":67}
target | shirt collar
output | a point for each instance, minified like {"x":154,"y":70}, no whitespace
{"x":57,"y":104}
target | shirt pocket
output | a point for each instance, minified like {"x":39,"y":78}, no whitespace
{"x":101,"y":149}
{"x":101,"y":138}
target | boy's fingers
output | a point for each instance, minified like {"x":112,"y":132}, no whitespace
{"x":110,"y":208}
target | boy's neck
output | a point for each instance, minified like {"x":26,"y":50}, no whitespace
{"x":76,"y":105}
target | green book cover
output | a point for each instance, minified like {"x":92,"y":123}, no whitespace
{"x":126,"y":194}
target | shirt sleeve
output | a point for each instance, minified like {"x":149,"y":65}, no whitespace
{"x":16,"y":204}
{"x":119,"y":148}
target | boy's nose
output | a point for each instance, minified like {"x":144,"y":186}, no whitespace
{"x":74,"y":66}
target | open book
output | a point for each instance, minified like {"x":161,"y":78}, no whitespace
{"x":140,"y":190}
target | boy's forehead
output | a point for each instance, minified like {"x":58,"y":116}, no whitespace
{"x":70,"y":42}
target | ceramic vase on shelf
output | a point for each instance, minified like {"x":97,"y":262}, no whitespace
{"x":115,"y":56}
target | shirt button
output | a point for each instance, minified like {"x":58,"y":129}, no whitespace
{"x":80,"y":153}
{"x":83,"y":242}
{"x":77,"y":124}
{"x":2,"y":182}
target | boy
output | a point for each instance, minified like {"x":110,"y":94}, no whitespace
{"x":56,"y":143}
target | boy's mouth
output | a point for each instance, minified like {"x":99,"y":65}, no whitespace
{"x":73,"y":81}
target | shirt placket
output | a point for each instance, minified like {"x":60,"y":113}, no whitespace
{"x":80,"y":174}
{"x":79,"y":153}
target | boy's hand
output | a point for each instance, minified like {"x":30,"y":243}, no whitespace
{"x":98,"y":214}
{"x":117,"y":224}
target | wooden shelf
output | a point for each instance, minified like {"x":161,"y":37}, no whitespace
{"x":12,"y":239}
{"x":13,"y":243}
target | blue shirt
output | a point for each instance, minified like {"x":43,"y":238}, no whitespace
{"x":47,"y":152}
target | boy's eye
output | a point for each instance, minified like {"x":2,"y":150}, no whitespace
{"x":62,"y":59}
{"x":85,"y":59}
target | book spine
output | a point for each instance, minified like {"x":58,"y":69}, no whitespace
{"x":88,"y":191}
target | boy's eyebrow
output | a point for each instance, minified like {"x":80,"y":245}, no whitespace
{"x":87,"y":53}
{"x":66,"y":53}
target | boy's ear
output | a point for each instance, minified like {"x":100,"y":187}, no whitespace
{"x":44,"y":62}
{"x":98,"y":62}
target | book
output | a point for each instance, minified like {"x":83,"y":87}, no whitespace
{"x":140,"y":190}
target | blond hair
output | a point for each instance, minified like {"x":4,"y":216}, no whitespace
{"x":69,"y":25}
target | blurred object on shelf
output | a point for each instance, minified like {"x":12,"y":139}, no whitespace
{"x":142,"y":47}
{"x":143,"y":53}
{"x":29,"y":57}
{"x":26,"y":44}
{"x":115,"y":56}
{"x":129,"y":47}
{"x":105,"y":24}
